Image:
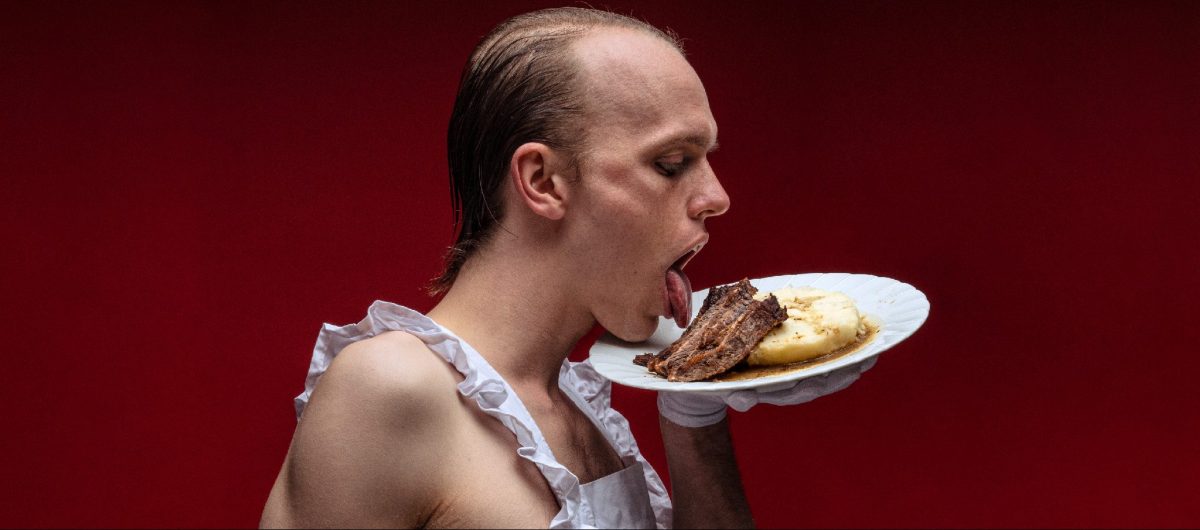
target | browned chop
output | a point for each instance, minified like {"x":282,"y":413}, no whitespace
{"x":731,"y":322}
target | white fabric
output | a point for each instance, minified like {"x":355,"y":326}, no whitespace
{"x":700,"y":410}
{"x":703,"y":409}
{"x":620,"y":500}
{"x":632,"y":498}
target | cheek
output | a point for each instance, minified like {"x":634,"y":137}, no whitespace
{"x":623,"y":226}
{"x":622,"y":220}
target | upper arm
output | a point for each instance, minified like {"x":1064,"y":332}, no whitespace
{"x":369,"y":447}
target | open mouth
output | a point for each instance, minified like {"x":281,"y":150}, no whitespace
{"x":686,"y":257}
{"x":677,"y":289}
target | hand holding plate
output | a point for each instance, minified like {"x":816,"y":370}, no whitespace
{"x":702,"y":409}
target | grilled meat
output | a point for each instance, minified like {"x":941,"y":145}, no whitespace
{"x":731,"y":322}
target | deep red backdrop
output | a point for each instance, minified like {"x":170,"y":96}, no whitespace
{"x":191,"y":189}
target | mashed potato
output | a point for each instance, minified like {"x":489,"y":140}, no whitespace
{"x":819,"y":322}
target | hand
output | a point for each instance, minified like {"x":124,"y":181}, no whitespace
{"x":702,"y":409}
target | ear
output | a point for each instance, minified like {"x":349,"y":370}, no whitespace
{"x":536,"y":173}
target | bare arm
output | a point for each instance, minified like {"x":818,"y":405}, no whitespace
{"x":705,"y":483}
{"x":365,"y":452}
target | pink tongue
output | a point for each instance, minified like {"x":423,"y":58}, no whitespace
{"x":679,"y":296}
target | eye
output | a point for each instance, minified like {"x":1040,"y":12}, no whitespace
{"x":671,"y":167}
{"x":669,"y":170}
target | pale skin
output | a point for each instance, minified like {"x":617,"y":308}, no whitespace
{"x":387,"y":441}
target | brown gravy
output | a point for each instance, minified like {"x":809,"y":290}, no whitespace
{"x":743,"y":371}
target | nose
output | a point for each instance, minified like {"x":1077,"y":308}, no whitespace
{"x":710,"y":199}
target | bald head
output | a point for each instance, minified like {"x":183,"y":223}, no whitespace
{"x":636,"y":82}
{"x":619,"y":66}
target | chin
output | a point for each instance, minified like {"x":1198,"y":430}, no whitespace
{"x":635,"y":331}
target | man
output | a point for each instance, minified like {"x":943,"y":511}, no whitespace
{"x":578,"y":155}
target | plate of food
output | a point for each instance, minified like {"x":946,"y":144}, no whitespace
{"x":765,"y":332}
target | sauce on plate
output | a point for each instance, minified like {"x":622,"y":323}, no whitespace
{"x":743,"y":371}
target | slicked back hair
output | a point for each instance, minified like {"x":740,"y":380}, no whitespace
{"x":520,"y":85}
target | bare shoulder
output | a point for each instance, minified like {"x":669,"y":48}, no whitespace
{"x":394,"y":366}
{"x":368,"y":449}
{"x":391,"y":381}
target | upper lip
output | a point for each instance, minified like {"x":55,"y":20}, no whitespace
{"x":690,"y":252}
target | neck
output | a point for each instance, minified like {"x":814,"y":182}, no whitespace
{"x":516,"y":309}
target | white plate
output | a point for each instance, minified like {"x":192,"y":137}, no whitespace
{"x":897,"y":307}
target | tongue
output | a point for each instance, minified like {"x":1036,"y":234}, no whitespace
{"x":679,"y":296}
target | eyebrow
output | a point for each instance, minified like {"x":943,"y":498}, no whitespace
{"x":694,"y":139}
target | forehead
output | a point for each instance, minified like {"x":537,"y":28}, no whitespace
{"x":634,"y":81}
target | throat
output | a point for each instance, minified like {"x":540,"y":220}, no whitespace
{"x":523,"y":338}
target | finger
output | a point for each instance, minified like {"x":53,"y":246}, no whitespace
{"x":742,"y":400}
{"x":812,"y":388}
{"x":868,"y":364}
{"x":837,"y":382}
{"x":794,"y":396}
{"x":777,"y":387}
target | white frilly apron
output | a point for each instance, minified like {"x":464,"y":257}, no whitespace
{"x":631,"y":498}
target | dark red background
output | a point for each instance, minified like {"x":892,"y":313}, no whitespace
{"x":191,"y":189}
